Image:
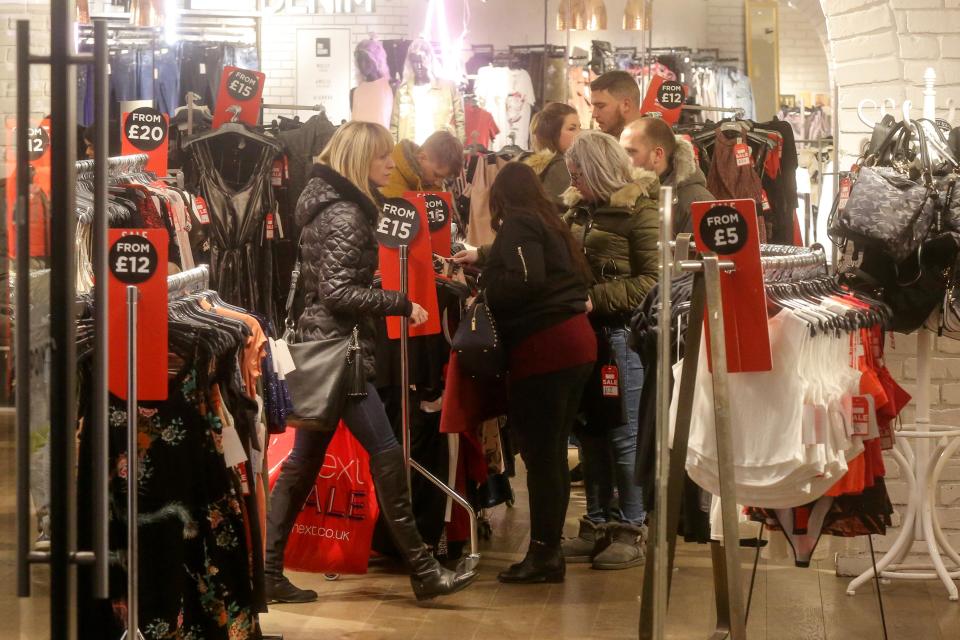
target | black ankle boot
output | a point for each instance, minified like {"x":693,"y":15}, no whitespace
{"x":542,"y":564}
{"x":279,"y":589}
{"x":428,"y":577}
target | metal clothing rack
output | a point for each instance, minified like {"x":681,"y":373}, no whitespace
{"x":187,"y":282}
{"x":738,"y":112}
{"x":671,"y":461}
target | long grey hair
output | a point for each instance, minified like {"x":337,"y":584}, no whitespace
{"x":602,"y":162}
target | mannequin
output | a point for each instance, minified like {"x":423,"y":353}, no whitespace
{"x":425,"y":103}
{"x":372,"y":99}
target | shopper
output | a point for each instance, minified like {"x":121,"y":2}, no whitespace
{"x":338,"y":212}
{"x":615,"y":97}
{"x":651,"y":145}
{"x":535,"y":281}
{"x":615,"y":215}
{"x":426,"y":166}
{"x":554,"y":130}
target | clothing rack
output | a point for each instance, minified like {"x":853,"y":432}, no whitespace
{"x":116,"y":165}
{"x":737,"y":111}
{"x":785,"y":263}
{"x":188,"y":282}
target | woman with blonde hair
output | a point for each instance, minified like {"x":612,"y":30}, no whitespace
{"x":614,"y":214}
{"x":337,"y":213}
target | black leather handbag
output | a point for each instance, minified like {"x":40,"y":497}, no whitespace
{"x":328,"y":372}
{"x":477,"y":343}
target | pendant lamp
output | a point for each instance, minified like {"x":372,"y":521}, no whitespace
{"x":638,"y":15}
{"x":596,"y":15}
{"x":572,"y":15}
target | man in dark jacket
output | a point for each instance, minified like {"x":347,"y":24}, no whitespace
{"x":651,"y":145}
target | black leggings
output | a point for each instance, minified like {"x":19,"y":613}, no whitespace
{"x":541,"y":412}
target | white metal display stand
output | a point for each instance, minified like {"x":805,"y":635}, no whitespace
{"x":921,"y":465}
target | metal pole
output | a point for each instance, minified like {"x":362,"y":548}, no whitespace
{"x":724,"y":434}
{"x":664,"y":373}
{"x":63,"y":368}
{"x":133,"y":484}
{"x":101,"y":355}
{"x":405,"y":363}
{"x":22,"y":311}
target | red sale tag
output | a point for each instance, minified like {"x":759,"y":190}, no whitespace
{"x":610,"y":381}
{"x":276,"y":174}
{"x":269,"y":225}
{"x":200,"y":207}
{"x":729,"y":228}
{"x":239,"y":97}
{"x":846,"y":185}
{"x":764,"y":200}
{"x":138,"y":257}
{"x":742,"y":154}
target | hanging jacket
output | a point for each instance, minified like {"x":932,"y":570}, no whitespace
{"x":553,"y":173}
{"x":619,"y":238}
{"x":339,"y":255}
{"x":301,"y":146}
{"x":443,"y":101}
{"x":406,"y":172}
{"x":689,"y":185}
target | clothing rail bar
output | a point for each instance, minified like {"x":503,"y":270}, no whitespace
{"x":117,"y":165}
{"x":187,"y":282}
{"x":735,"y":110}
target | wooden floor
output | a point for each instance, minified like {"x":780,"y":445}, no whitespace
{"x":788,"y":604}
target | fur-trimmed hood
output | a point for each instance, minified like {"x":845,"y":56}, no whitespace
{"x":540,"y":161}
{"x":327,"y":188}
{"x":643,"y":185}
{"x":685,"y":170}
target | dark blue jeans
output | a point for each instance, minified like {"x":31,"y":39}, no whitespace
{"x":609,"y":459}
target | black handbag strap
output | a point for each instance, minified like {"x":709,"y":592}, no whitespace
{"x":290,"y":324}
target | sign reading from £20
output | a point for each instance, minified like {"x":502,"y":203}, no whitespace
{"x":138,"y":257}
{"x":239,"y":97}
{"x":729,"y":229}
{"x":145,"y":130}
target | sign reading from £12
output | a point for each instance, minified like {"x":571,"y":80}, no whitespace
{"x":138,"y":257}
{"x":402,"y":222}
{"x":664,"y":99}
{"x":239,"y":97}
{"x":145,"y":130}
{"x":729,"y":229}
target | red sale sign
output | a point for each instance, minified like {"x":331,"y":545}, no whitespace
{"x":403,"y":222}
{"x":145,"y":130}
{"x":439,"y":208}
{"x":664,"y":99}
{"x":138,"y":258}
{"x":729,"y":229}
{"x":239,"y":97}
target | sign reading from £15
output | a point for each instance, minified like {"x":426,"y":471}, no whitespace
{"x":439,"y":208}
{"x":239,"y":97}
{"x":403,"y":222}
{"x":729,"y":229}
{"x":664,"y":99}
{"x":145,"y":130}
{"x":138,"y":257}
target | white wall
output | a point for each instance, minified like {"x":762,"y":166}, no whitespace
{"x":512,"y":22}
{"x":804,"y":70}
{"x":38,"y":13}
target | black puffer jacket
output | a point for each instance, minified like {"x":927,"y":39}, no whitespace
{"x":339,"y":257}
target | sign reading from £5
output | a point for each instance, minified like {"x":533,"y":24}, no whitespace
{"x":664,"y":99}
{"x":138,"y":257}
{"x":729,"y":229}
{"x":145,"y":130}
{"x":404,"y":222}
{"x":239,"y":97}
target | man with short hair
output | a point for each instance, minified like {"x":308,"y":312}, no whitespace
{"x":652,"y":145}
{"x":425,"y":167}
{"x":615,"y":97}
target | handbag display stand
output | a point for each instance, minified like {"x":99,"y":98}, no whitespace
{"x":671,"y":460}
{"x":921,"y":465}
{"x":472,"y":559}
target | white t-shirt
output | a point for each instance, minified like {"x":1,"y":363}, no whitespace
{"x":508,"y":95}
{"x":423,"y":117}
